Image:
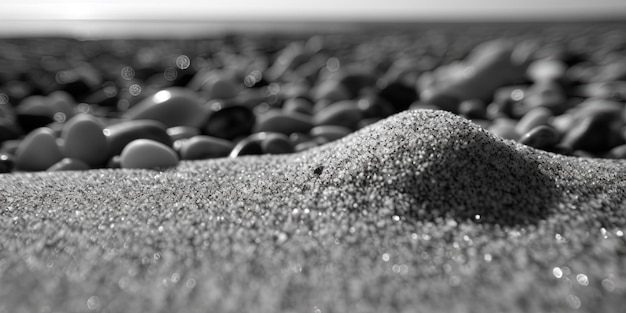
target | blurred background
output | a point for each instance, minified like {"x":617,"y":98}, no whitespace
{"x":189,"y":17}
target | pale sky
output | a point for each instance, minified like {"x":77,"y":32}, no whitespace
{"x":316,"y":9}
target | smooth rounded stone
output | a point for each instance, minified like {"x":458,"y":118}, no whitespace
{"x":283,"y":122}
{"x":399,"y":95}
{"x":39,"y":111}
{"x":175,"y":106}
{"x":540,"y":137}
{"x":146,"y":153}
{"x":219,"y":87}
{"x":330,"y":132}
{"x":276,"y":143}
{"x":106,"y":96}
{"x":250,"y":145}
{"x":55,"y":102}
{"x":298,"y":105}
{"x":83,"y":139}
{"x":504,"y":127}
{"x":562,"y":123}
{"x":305,"y":146}
{"x":487,"y":67}
{"x":343,"y":113}
{"x":533,"y":118}
{"x":473,"y":109}
{"x":505,"y":100}
{"x":597,"y":132}
{"x":618,"y":152}
{"x":69,"y":164}
{"x":547,"y":94}
{"x":546,"y":70}
{"x":331,"y":90}
{"x":604,"y":90}
{"x":356,"y":79}
{"x":121,"y":134}
{"x":205,"y":147}
{"x":229,"y":121}
{"x":296,"y":138}
{"x":182,"y":132}
{"x":599,"y":106}
{"x":38,"y":151}
{"x":7,"y":162}
{"x":375,"y":106}
{"x":290,"y":57}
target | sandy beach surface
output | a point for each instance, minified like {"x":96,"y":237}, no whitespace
{"x":421,"y":212}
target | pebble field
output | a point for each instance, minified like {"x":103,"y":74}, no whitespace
{"x":439,"y":170}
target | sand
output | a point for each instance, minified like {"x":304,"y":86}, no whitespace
{"x":421,"y":212}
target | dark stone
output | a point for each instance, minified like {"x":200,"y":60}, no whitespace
{"x":119,"y":135}
{"x":230,"y":122}
{"x":399,"y":95}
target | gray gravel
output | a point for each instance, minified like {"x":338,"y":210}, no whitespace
{"x":421,"y":212}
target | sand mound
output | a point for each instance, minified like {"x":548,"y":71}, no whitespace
{"x":229,"y":226}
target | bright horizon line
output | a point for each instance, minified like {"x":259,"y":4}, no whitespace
{"x":198,"y":10}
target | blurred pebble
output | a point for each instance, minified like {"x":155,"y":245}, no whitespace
{"x":298,"y":105}
{"x":250,"y":145}
{"x":593,"y":133}
{"x":120,"y":134}
{"x":296,"y":138}
{"x":57,"y":102}
{"x":618,"y":152}
{"x":399,"y":95}
{"x":305,"y":146}
{"x":473,"y":109}
{"x":145,"y":153}
{"x":356,"y":79}
{"x":330,"y":132}
{"x":505,"y":128}
{"x":205,"y":147}
{"x":547,"y":94}
{"x":343,"y":113}
{"x":488,"y":67}
{"x":541,"y":137}
{"x":182,"y":132}
{"x":283,"y":122}
{"x":83,"y":139}
{"x":174,"y":106}
{"x":219,"y":87}
{"x":331,"y":90}
{"x":533,"y":118}
{"x":6,"y":163}
{"x":69,"y":164}
{"x":38,"y":151}
{"x":375,"y":106}
{"x":229,"y":121}
{"x":546,"y":70}
{"x":276,"y":143}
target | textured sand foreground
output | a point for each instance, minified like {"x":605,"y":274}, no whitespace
{"x":421,"y":212}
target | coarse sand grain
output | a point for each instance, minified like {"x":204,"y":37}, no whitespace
{"x":421,"y":212}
